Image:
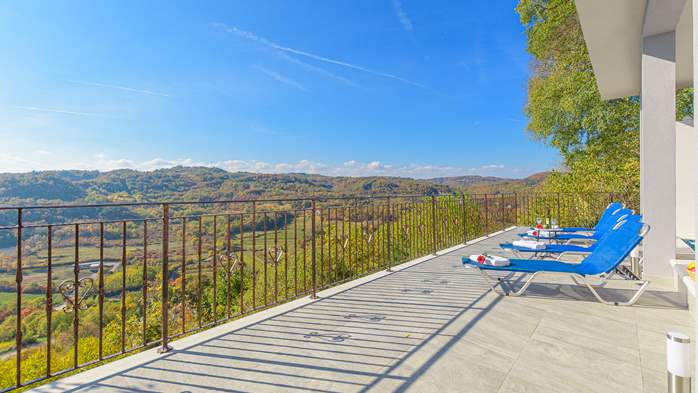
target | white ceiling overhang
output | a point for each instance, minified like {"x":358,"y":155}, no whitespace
{"x":613,"y":31}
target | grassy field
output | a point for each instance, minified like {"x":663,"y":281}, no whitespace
{"x":10,"y":297}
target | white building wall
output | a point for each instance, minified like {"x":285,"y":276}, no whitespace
{"x":685,"y":182}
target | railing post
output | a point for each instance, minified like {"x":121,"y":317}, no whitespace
{"x":487,"y":222}
{"x":313,"y":255}
{"x":390,"y":214}
{"x":465,"y":218}
{"x":254,"y":253}
{"x":433,"y":222}
{"x":165,"y":276}
{"x":516,"y":209}
{"x":501,"y":211}
{"x":18,"y":279}
{"x":558,"y":209}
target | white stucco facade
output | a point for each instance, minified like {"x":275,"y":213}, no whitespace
{"x":685,"y":186}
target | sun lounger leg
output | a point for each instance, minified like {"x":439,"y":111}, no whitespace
{"x":498,"y":283}
{"x":630,"y":302}
{"x":582,"y":281}
{"x":524,"y":287}
{"x":492,"y":282}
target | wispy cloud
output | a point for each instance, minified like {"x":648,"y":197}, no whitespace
{"x":319,"y":70}
{"x":253,"y":37}
{"x":402,"y":16}
{"x":124,"y":88}
{"x":281,"y":78}
{"x":52,"y":110}
{"x":101,"y":162}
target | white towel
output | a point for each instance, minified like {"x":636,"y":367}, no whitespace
{"x":530,"y":244}
{"x":491,"y":260}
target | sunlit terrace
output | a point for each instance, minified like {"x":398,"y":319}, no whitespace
{"x":431,"y":325}
{"x":325,"y":294}
{"x":352,"y":291}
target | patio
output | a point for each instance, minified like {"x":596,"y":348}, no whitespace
{"x":429,"y":326}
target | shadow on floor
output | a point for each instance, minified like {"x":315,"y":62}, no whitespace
{"x":352,"y":341}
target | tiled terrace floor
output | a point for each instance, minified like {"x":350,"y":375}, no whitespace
{"x":431,"y":327}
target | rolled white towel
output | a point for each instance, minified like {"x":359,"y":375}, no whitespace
{"x":491,"y":260}
{"x":540,"y":233}
{"x":530,"y":244}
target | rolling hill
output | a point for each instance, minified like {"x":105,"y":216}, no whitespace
{"x":205,"y":184}
{"x":490,"y":184}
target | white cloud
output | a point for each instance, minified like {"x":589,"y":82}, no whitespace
{"x":52,"y":110}
{"x":402,"y":16}
{"x":42,"y":152}
{"x":124,"y":88}
{"x":281,"y":78}
{"x":319,"y":70}
{"x":253,"y":37}
{"x":14,"y":163}
{"x":101,"y":162}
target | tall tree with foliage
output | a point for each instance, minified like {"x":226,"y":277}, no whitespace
{"x":598,"y":140}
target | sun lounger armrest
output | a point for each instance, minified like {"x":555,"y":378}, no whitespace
{"x":568,"y":253}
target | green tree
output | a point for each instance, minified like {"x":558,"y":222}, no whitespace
{"x":598,"y":140}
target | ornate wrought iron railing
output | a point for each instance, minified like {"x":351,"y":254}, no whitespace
{"x":82,"y":284}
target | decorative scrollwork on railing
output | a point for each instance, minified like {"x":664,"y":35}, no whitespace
{"x":368,"y":235}
{"x":67,"y":289}
{"x":328,"y":337}
{"x":275,"y":253}
{"x":236,"y":265}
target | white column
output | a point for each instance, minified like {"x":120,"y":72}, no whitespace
{"x":658,"y":152}
{"x":694,"y":44}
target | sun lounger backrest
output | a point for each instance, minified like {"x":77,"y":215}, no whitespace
{"x":612,"y":249}
{"x":612,"y":207}
{"x":617,"y":225}
{"x":612,"y":220}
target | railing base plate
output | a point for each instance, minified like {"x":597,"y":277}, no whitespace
{"x":165,"y":349}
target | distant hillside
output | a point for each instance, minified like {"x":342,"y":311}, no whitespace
{"x":194,"y":184}
{"x":483,"y":184}
{"x":202,"y":184}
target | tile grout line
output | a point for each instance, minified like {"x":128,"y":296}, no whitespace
{"x":639,"y":352}
{"x":528,"y":340}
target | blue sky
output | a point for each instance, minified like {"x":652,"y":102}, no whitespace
{"x":355,"y":87}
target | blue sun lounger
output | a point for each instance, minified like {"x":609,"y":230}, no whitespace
{"x":600,"y":265}
{"x":610,"y":209}
{"x":690,"y":243}
{"x":601,"y":228}
{"x":553,"y":248}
